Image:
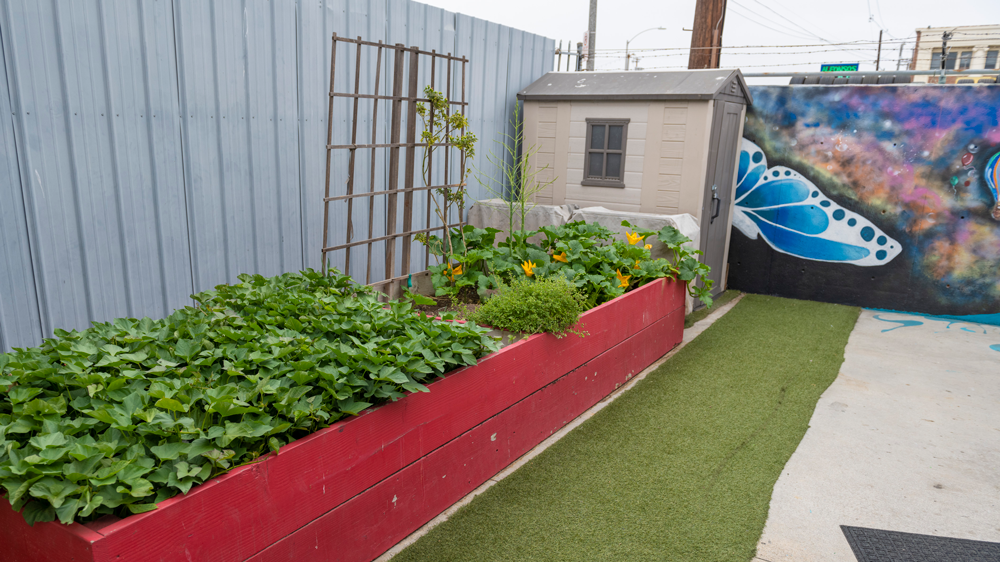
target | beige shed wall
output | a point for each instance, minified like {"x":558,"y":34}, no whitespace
{"x":665,"y":161}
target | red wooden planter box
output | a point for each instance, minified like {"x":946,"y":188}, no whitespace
{"x":353,"y":490}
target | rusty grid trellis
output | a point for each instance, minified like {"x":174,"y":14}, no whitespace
{"x":392,"y":190}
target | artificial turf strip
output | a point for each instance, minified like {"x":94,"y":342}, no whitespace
{"x":717,"y":303}
{"x":682,"y":466}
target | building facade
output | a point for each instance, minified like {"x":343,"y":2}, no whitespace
{"x":970,"y":48}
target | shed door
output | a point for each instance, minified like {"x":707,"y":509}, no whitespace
{"x":719,"y":190}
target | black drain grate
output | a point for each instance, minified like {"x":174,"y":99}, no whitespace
{"x":876,"y":545}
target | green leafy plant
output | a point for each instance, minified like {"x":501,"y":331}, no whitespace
{"x":120,"y":416}
{"x":587,"y":256}
{"x":418,"y":299}
{"x":469,"y":256}
{"x":468,"y":266}
{"x":686,"y":266}
{"x":547,"y":305}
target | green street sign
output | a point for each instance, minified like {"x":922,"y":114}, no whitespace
{"x":851,"y":67}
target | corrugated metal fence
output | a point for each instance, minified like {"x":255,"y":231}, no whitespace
{"x":158,"y":148}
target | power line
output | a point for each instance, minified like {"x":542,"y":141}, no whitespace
{"x":769,"y":65}
{"x":786,"y":31}
{"x":806,"y":30}
{"x":729,"y":47}
{"x":792,"y":22}
{"x":786,"y":53}
{"x":780,"y":5}
{"x":878,"y":7}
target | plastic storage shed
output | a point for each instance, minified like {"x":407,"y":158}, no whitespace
{"x":649,"y":142}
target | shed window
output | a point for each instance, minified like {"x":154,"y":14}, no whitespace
{"x":604,"y":165}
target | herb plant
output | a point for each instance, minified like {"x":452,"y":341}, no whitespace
{"x":548,"y":305}
{"x":120,"y":416}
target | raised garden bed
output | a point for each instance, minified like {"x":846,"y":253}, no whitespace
{"x":353,"y":490}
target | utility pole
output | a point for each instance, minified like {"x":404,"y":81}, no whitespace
{"x":899,"y":61}
{"x":944,"y":54}
{"x":706,"y":38}
{"x":592,"y":35}
{"x":878,"y":57}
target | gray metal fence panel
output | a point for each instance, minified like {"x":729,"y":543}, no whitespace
{"x":159,"y":148}
{"x":95,"y":118}
{"x":19,"y":321}
{"x":242,"y":182}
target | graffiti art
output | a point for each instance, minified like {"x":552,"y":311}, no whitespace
{"x":796,"y":218}
{"x":902,"y":180}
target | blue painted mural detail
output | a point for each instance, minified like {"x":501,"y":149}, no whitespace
{"x":902,"y":323}
{"x":794,"y":217}
{"x":992,"y":174}
{"x":995,"y":347}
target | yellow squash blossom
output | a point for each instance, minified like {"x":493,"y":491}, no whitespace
{"x":649,"y":246}
{"x":560,"y":257}
{"x":634,"y":238}
{"x":636,"y":264}
{"x":529,"y":267}
{"x":622,"y":279}
{"x":451,"y":271}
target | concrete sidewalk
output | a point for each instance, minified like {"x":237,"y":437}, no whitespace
{"x":906,"y":439}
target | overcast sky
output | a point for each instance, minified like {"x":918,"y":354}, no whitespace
{"x":748,"y":23}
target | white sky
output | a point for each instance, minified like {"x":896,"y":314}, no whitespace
{"x":747,"y":24}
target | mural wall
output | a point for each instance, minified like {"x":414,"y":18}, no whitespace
{"x":877,"y":196}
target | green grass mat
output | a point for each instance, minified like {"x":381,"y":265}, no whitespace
{"x":720,"y":300}
{"x":681,"y":467}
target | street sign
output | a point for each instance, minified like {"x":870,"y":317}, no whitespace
{"x":848,"y":67}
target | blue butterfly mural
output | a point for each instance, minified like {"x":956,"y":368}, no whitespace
{"x":794,"y":217}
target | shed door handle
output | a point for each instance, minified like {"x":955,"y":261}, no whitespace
{"x":718,"y":204}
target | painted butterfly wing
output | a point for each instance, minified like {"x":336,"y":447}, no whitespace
{"x":752,"y":166}
{"x":794,"y":217}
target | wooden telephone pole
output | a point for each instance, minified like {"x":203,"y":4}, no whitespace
{"x":706,"y":39}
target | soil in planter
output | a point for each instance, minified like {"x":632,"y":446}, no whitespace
{"x":461,"y":306}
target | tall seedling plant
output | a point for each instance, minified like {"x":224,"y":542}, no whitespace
{"x":515,"y":181}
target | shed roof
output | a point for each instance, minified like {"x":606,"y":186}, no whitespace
{"x":623,"y":86}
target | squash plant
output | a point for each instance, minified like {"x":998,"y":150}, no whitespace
{"x":467,"y":265}
{"x":122,"y":415}
{"x":686,"y":265}
{"x":585,"y":254}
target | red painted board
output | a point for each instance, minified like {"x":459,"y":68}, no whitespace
{"x":374,"y":521}
{"x":20,"y":542}
{"x":247,"y":509}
